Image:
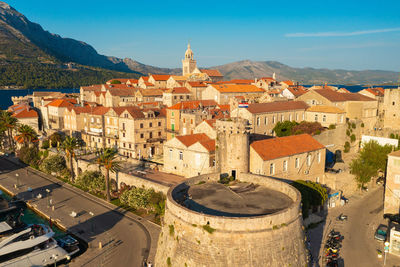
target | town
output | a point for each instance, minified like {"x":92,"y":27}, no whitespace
{"x":203,"y":171}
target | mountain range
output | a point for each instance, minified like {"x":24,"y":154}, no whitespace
{"x":25,"y":42}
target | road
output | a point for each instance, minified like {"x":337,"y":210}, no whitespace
{"x":365,"y":213}
{"x":126,"y":239}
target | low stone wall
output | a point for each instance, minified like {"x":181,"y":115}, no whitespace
{"x":268,"y":240}
{"x":121,"y":177}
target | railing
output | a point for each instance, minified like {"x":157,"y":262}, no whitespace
{"x":170,"y":130}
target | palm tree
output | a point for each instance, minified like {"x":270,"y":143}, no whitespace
{"x":69,"y":145}
{"x":27,"y":135}
{"x":107,"y":159}
{"x":10,"y":123}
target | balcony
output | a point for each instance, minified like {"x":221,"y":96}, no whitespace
{"x":154,"y":140}
{"x":170,"y":130}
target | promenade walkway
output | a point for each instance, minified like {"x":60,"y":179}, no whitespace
{"x":126,"y":239}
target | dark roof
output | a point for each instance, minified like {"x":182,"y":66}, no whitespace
{"x":334,"y":96}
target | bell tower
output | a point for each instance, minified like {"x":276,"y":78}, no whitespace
{"x":188,"y":63}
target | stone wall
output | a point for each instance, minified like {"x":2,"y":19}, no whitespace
{"x":333,"y":139}
{"x":268,"y":240}
{"x":121,"y":177}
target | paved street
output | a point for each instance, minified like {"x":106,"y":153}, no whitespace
{"x":365,"y":213}
{"x":126,"y":238}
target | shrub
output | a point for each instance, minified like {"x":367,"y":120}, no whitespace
{"x":171,"y":229}
{"x":346,"y":147}
{"x":92,"y":181}
{"x":55,"y":138}
{"x":332,"y":126}
{"x":391,"y":135}
{"x":46,"y":144}
{"x":115,"y":82}
{"x":352,"y":138}
{"x":308,"y":128}
{"x":169,"y":261}
{"x":312,"y":194}
{"x":317,"y":132}
{"x":353,"y":125}
{"x":148,"y":199}
{"x":226,"y":179}
{"x":54,"y":163}
{"x":348,"y":132}
{"x":29,"y":155}
{"x":284,"y":128}
{"x":362,"y":125}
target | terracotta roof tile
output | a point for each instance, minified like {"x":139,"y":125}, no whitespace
{"x":122,"y":92}
{"x":178,"y":90}
{"x":285,"y":146}
{"x":212,"y":73}
{"x":334,"y":96}
{"x":197,"y":84}
{"x":276,"y":106}
{"x":191,"y":139}
{"x":288,"y":82}
{"x":208,"y":144}
{"x":160,"y":77}
{"x":26,"y":113}
{"x":297,"y":91}
{"x":99,"y":110}
{"x":60,"y":103}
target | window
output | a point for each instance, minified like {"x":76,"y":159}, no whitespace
{"x":159,"y":133}
{"x":170,"y":154}
{"x":191,"y":121}
{"x":123,"y":134}
{"x":273,"y":119}
{"x":130,"y":146}
{"x":159,"y":123}
{"x":123,"y":126}
{"x":141,"y":135}
{"x":290,"y":117}
{"x":297,"y":163}
{"x":285,"y":166}
{"x":184,"y":120}
{"x":313,"y":102}
{"x":271,"y":168}
{"x":150,"y":135}
{"x":180,"y":155}
{"x":316,"y":117}
{"x":141,"y":125}
{"x":172,"y":114}
{"x":123,"y":144}
{"x":397,"y":179}
{"x":258,"y":121}
{"x":324,"y":118}
{"x":309,"y":159}
{"x":150,"y":124}
{"x":266,"y":120}
{"x":108,"y":141}
{"x":393,"y":103}
{"x":126,"y":115}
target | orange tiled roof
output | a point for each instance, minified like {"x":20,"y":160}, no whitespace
{"x":144,"y":78}
{"x":60,"y":103}
{"x":276,"y":106}
{"x":376,"y":91}
{"x":160,"y":77}
{"x":285,"y":146}
{"x":197,"y":84}
{"x":148,"y":84}
{"x":238,"y":81}
{"x":297,"y":91}
{"x":122,"y":92}
{"x":235,"y":88}
{"x":191,"y":139}
{"x":211,"y":122}
{"x":208,"y":144}
{"x":195,"y":104}
{"x":325,"y":109}
{"x":79,"y":110}
{"x":26,"y":113}
{"x":212,"y":73}
{"x":288,"y":82}
{"x":95,"y":87}
{"x":100,"y":110}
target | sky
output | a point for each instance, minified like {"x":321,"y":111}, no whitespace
{"x":354,"y":35}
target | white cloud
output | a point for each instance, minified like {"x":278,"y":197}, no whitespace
{"x":340,"y":34}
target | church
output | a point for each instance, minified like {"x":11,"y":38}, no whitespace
{"x":190,"y":70}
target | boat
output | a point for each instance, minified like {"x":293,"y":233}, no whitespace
{"x":10,"y":206}
{"x":35,"y":246}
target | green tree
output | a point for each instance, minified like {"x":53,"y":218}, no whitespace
{"x":10,"y":123}
{"x":54,"y":163}
{"x":26,"y":135}
{"x":115,"y":82}
{"x":69,"y":146}
{"x":312,"y":194}
{"x":92,"y":181}
{"x":55,"y":139}
{"x":284,"y":128}
{"x":371,"y":159}
{"x":108,"y":160}
{"x":29,"y":155}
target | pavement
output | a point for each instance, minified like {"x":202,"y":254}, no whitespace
{"x":126,"y":239}
{"x":365,"y":213}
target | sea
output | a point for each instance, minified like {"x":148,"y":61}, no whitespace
{"x":5,"y":95}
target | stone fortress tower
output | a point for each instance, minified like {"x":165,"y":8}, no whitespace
{"x":232,"y":146}
{"x":255,"y":221}
{"x":188,"y":63}
{"x":391,"y":106}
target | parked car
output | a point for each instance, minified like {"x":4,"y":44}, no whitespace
{"x":381,"y":233}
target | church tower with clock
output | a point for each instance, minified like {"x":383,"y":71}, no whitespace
{"x":188,"y":63}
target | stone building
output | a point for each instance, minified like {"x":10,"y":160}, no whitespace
{"x":93,"y":127}
{"x":221,"y":93}
{"x":326,"y":115}
{"x":196,"y":88}
{"x":207,"y":127}
{"x":391,"y":107}
{"x":159,"y":80}
{"x":53,"y":113}
{"x":392,"y":186}
{"x":264,"y":116}
{"x":297,"y":157}
{"x":189,"y":155}
{"x":25,"y":115}
{"x":189,"y":64}
{"x":356,"y":106}
{"x":175,"y":95}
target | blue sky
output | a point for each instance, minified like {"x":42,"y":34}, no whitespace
{"x":321,"y":34}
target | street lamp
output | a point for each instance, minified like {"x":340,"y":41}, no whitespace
{"x":17,"y":175}
{"x":386,"y":251}
{"x":48,"y":197}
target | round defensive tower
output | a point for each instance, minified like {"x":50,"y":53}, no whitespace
{"x":255,"y":221}
{"x":232,"y":146}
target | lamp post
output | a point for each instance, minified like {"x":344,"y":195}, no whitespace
{"x":386,"y":251}
{"x":48,"y":197}
{"x":17,"y":175}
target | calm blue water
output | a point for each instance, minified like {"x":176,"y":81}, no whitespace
{"x":5,"y":95}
